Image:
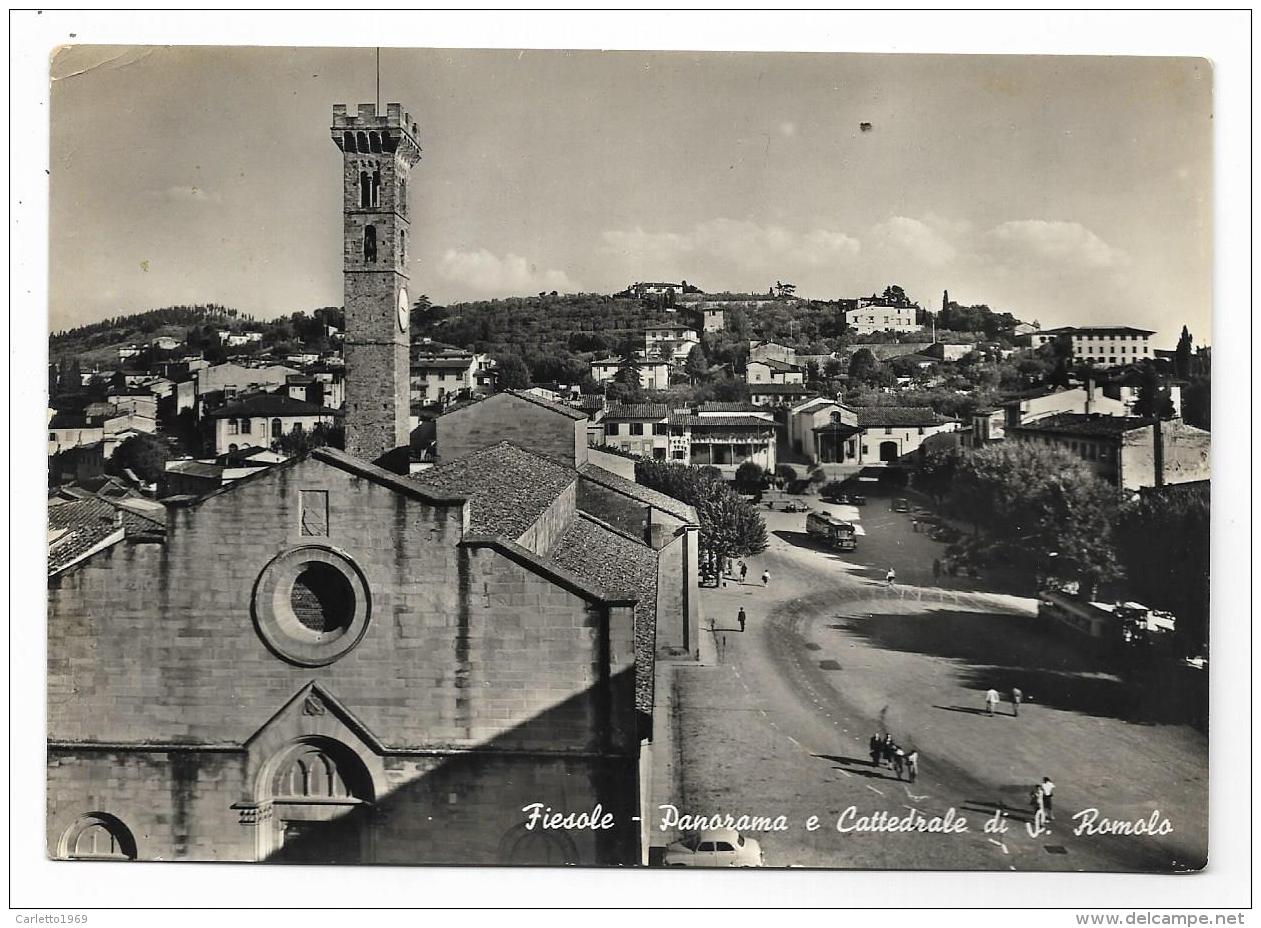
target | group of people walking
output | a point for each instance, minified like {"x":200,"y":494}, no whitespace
{"x":992,"y":700}
{"x":883,"y":749}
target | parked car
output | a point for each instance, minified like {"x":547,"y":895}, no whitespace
{"x":858,"y":500}
{"x":719,"y":847}
{"x":901,"y":505}
{"x":794,"y":505}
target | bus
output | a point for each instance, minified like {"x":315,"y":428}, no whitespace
{"x":1106,"y":626}
{"x":831,"y":531}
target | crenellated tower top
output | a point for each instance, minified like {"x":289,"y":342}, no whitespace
{"x":370,"y":132}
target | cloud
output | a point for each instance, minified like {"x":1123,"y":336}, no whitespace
{"x":1045,"y":242}
{"x":740,"y":243}
{"x":927,"y":241}
{"x":510,"y":275}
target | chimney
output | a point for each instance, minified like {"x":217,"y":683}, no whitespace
{"x":1090,"y":392}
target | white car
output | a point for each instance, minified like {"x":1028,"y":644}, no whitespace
{"x":719,"y":847}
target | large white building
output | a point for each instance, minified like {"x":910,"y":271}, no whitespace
{"x":1100,"y":345}
{"x":879,"y":314}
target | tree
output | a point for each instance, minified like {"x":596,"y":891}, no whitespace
{"x":511,"y":373}
{"x":1154,"y":400}
{"x":1197,"y":402}
{"x":935,"y":472}
{"x":1041,"y":506}
{"x":1164,"y":543}
{"x":697,"y":365}
{"x":144,"y":455}
{"x":628,"y":366}
{"x":1182,"y":355}
{"x":786,"y":474}
{"x":863,"y":367}
{"x":295,"y":443}
{"x":894,"y":294}
{"x":749,"y":477}
{"x":729,"y":525}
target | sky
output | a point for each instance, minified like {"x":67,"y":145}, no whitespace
{"x":1066,"y":190}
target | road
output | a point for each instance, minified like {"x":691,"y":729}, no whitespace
{"x":778,"y":720}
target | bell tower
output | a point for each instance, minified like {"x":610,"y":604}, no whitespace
{"x":378,"y":154}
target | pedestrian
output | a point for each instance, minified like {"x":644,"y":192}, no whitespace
{"x":912,"y":765}
{"x":887,"y":749}
{"x":744,"y":570}
{"x":991,"y":700}
{"x":899,"y":760}
{"x":741,"y":618}
{"x":1037,"y":800}
{"x":766,"y":578}
{"x":915,"y":525}
{"x":936,"y":568}
{"x":1016,"y":698}
{"x":1048,"y":803}
{"x":890,"y":576}
{"x":875,"y":748}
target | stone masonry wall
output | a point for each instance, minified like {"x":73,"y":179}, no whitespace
{"x":504,"y":417}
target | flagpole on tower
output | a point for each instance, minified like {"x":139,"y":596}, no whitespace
{"x":378,"y":78}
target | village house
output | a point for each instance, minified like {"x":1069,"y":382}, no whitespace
{"x":671,"y":343}
{"x":1100,"y":345}
{"x":264,"y":418}
{"x":774,"y":351}
{"x":829,"y":433}
{"x":778,"y":394}
{"x":770,"y":371}
{"x":882,"y":314}
{"x":653,"y":375}
{"x":1125,"y":450}
{"x":639,"y":428}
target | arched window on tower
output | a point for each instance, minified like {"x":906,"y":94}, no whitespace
{"x":348,"y":141}
{"x":362,"y":141}
{"x":376,"y":188}
{"x":375,"y":141}
{"x":402,"y":246}
{"x":365,"y":190}
{"x":370,"y":244}
{"x":402,"y":197}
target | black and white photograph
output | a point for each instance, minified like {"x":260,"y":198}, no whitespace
{"x":654,"y":460}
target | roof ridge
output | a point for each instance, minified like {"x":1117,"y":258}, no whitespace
{"x":612,"y":528}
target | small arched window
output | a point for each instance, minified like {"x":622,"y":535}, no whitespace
{"x":370,"y":244}
{"x":348,"y":141}
{"x":376,"y":188}
{"x":402,"y":245}
{"x":365,"y":190}
{"x":98,"y":836}
{"x":276,"y":428}
{"x":362,"y":140}
{"x":402,"y":197}
{"x":375,"y":141}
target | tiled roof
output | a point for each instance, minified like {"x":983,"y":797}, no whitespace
{"x":195,"y":469}
{"x":900,"y":416}
{"x":773,"y":364}
{"x":1096,"y":330}
{"x":799,"y":389}
{"x":590,"y":401}
{"x":507,"y":488}
{"x":1077,"y":423}
{"x":77,"y":526}
{"x":271,"y":404}
{"x":637,"y":411}
{"x":616,"y":563}
{"x":568,"y":412}
{"x":728,"y":407}
{"x":722,"y":421}
{"x":443,"y":363}
{"x":646,"y":495}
